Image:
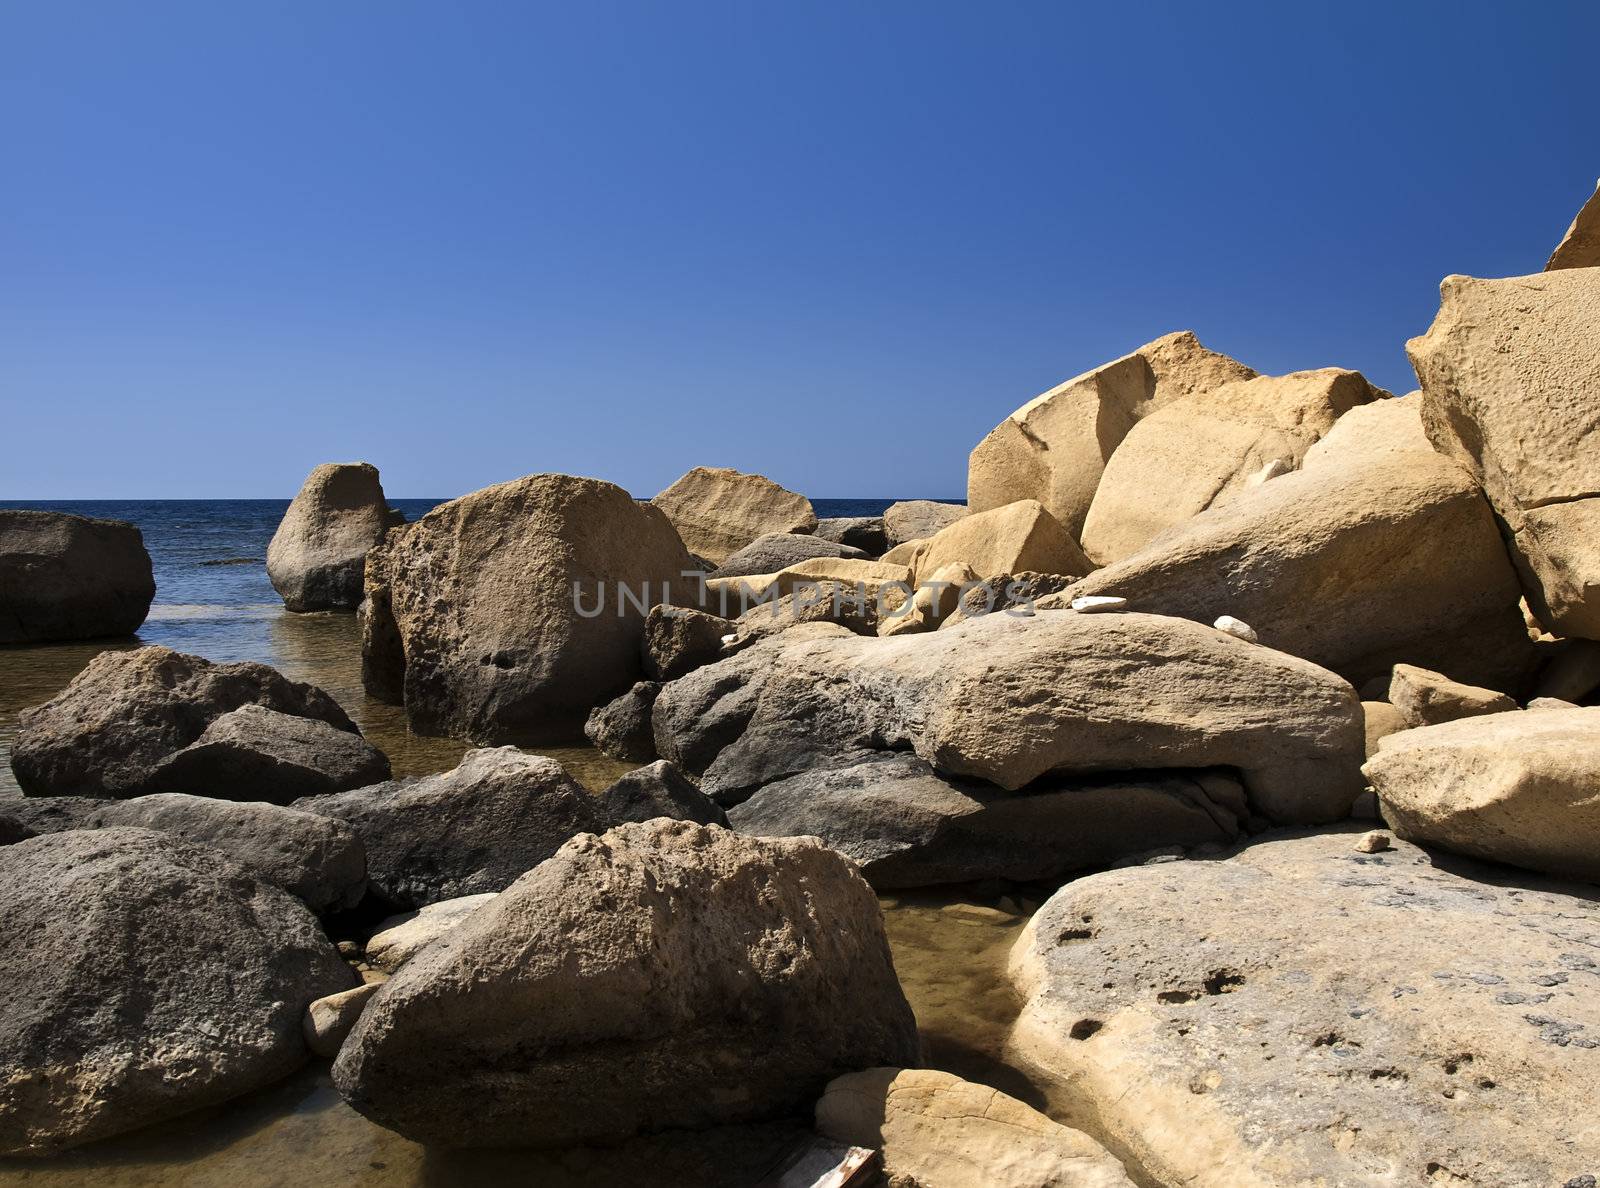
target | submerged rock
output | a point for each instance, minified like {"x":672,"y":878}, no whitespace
{"x":68,"y":577}
{"x":145,"y":977}
{"x":664,"y":975}
{"x":319,"y":861}
{"x":503,"y":616}
{"x":1307,"y":1014}
{"x":718,"y":511}
{"x":317,"y":555}
{"x":472,"y":829}
{"x":107,"y":733}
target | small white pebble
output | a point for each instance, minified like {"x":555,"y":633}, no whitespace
{"x":1375,"y":842}
{"x":1098,"y":604}
{"x":1237,"y":628}
{"x":728,"y":639}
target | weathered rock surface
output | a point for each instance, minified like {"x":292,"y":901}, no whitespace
{"x":1355,"y":567}
{"x":1203,"y":450}
{"x":1006,"y":700}
{"x":663,"y":975}
{"x":866,"y":533}
{"x":519,"y":607}
{"x":659,"y":789}
{"x":254,"y":753}
{"x":1054,"y":448}
{"x":329,"y":1020}
{"x":1522,"y":788}
{"x":318,"y":553}
{"x":12,"y":830}
{"x":906,"y":826}
{"x":1580,"y":247}
{"x":70,"y":577}
{"x":1427,"y":698}
{"x":679,"y":639}
{"x":621,"y":728}
{"x":1510,"y":375}
{"x":1019,"y":536}
{"x":107,"y":732}
{"x":145,"y":977}
{"x":475,"y":828}
{"x":779,"y":550}
{"x":1307,"y":1014}
{"x":401,"y":937}
{"x":1382,"y":720}
{"x":938,"y":1131}
{"x":718,"y":511}
{"x":917,"y":519}
{"x":1382,"y":428}
{"x":319,"y":861}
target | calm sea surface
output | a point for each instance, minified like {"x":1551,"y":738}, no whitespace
{"x":213,"y":599}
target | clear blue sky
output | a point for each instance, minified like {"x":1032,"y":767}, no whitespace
{"x":834,"y":243}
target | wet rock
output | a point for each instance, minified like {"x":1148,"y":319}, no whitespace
{"x":1427,"y":698}
{"x":68,"y":577}
{"x":1098,"y":693}
{"x":621,"y":728}
{"x":319,"y":861}
{"x":1306,"y":1014}
{"x":779,"y":550}
{"x":718,"y":511}
{"x":253,"y":753}
{"x":906,"y":826}
{"x":1054,"y":448}
{"x":1516,"y":788}
{"x":110,"y":729}
{"x":521,"y":606}
{"x":401,"y":937}
{"x":1534,"y":452}
{"x":145,"y":977}
{"x":318,"y":553}
{"x":664,"y":975}
{"x":678,"y":640}
{"x":472,"y":829}
{"x":917,"y":519}
{"x":659,"y":789}
{"x":329,"y":1020}
{"x":938,"y":1131}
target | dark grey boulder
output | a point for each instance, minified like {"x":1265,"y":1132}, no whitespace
{"x":260,"y":754}
{"x":621,"y":728}
{"x":661,"y":976}
{"x":70,"y":577}
{"x":106,"y":732}
{"x":472,"y":829}
{"x":144,"y":977}
{"x":909,"y":827}
{"x":859,"y":532}
{"x":659,"y":789}
{"x":779,"y":550}
{"x":318,"y":860}
{"x":678,"y":640}
{"x":12,"y":828}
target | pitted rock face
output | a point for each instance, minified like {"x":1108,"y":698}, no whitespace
{"x":718,"y":511}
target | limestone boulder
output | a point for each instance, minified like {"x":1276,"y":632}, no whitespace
{"x":659,"y":790}
{"x":621,"y":727}
{"x":472,"y":829}
{"x":505,"y":615}
{"x":1204,"y":451}
{"x":318,"y":554}
{"x":1355,"y":567}
{"x":1426,"y":698}
{"x":1305,"y":1013}
{"x":906,"y":826}
{"x":937,"y":1131}
{"x":401,"y":937}
{"x":1005,"y":700}
{"x":255,"y":753}
{"x":718,"y":511}
{"x":679,"y":639}
{"x":1054,"y":449}
{"x":1580,"y":247}
{"x":866,"y":533}
{"x":779,"y":550}
{"x":1521,"y":788}
{"x":329,"y":1020}
{"x":65,"y":577}
{"x":1382,"y":720}
{"x":1381,"y":428}
{"x":110,"y":729}
{"x":319,"y":861}
{"x":664,"y":975}
{"x":1510,"y":373}
{"x":1019,"y":536}
{"x":917,"y":519}
{"x":145,"y":977}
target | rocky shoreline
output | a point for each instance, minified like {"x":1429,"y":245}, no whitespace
{"x":1290,"y":685}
